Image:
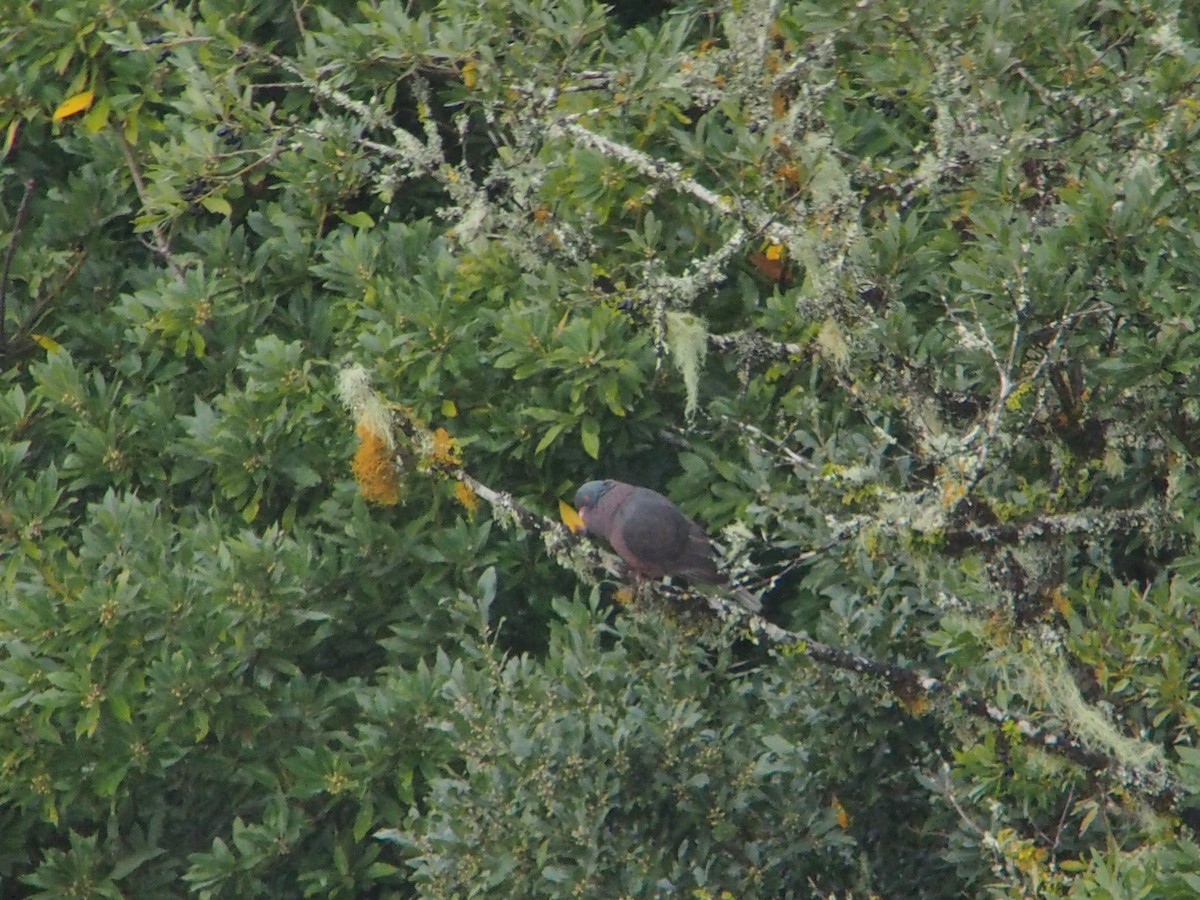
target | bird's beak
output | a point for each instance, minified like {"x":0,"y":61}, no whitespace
{"x":572,"y":519}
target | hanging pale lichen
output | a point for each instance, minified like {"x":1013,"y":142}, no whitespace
{"x":1045,"y":677}
{"x":832,"y":344}
{"x":687,"y":336}
{"x":369,"y":410}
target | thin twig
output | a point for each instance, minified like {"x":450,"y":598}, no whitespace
{"x":159,"y":243}
{"x":789,"y":454}
{"x":1062,"y":821}
{"x":948,"y":792}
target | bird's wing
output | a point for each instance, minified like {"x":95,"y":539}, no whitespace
{"x":654,"y":532}
{"x":698,"y":560}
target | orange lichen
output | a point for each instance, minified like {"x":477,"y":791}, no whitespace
{"x":952,"y":492}
{"x":374,"y":470}
{"x":467,"y":497}
{"x":470,"y":74}
{"x":789,"y":174}
{"x":1060,"y":601}
{"x":446,"y":452}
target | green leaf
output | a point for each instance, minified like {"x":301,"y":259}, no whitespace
{"x":358,"y":219}
{"x":549,"y":437}
{"x":778,"y":744}
{"x":131,"y":862}
{"x":380,"y":870}
{"x":216,"y":204}
{"x":108,"y":780}
{"x":363,"y":820}
{"x":88,"y":721}
{"x":590,"y":436}
{"x":200,"y":724}
{"x":118,"y":705}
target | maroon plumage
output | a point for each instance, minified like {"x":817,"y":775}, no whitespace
{"x":651,"y":534}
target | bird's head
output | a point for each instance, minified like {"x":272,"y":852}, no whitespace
{"x":589,"y":495}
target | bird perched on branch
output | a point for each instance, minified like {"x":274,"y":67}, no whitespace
{"x":652,"y":535}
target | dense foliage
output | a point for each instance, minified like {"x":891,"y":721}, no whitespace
{"x":898,"y":298}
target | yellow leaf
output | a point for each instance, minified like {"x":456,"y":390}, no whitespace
{"x":11,"y":137}
{"x":839,"y":813}
{"x":49,"y":344}
{"x":570,"y":518}
{"x":449,"y":410}
{"x":74,"y":104}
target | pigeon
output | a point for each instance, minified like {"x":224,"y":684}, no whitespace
{"x":652,"y":535}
